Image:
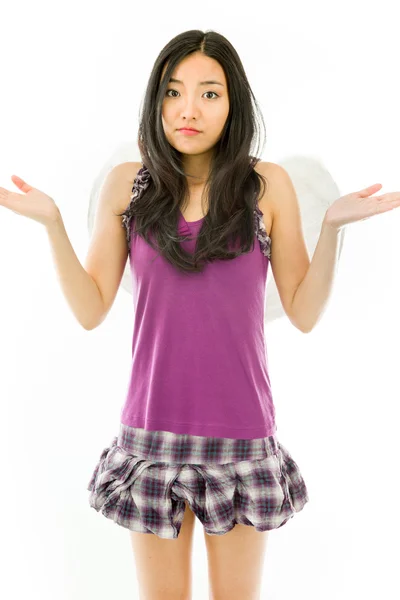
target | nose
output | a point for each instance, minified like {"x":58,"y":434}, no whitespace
{"x":189,"y":109}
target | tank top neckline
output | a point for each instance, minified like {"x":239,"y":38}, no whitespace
{"x":190,"y":222}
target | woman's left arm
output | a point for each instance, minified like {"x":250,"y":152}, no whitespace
{"x":312,"y":295}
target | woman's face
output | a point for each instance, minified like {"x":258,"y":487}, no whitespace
{"x":203,"y":106}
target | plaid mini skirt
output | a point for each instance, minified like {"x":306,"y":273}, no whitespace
{"x":143,"y":479}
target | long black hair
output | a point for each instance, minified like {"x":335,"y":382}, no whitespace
{"x":233,"y":186}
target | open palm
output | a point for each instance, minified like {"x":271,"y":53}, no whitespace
{"x":361,"y":205}
{"x":33,"y":203}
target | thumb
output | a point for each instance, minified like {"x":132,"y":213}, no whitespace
{"x":371,"y":189}
{"x":21,"y":184}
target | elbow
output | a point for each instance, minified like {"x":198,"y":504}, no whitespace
{"x":295,"y":320}
{"x":300,"y":326}
{"x":307,"y":328}
{"x":94,"y":324}
{"x":89,"y":326}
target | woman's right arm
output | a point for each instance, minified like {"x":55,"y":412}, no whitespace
{"x":90,"y":290}
{"x":80,"y":290}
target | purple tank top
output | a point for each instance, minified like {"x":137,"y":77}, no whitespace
{"x":199,"y":358}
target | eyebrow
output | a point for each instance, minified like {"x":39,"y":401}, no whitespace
{"x":210,"y":82}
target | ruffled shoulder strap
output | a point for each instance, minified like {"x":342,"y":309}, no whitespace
{"x":261,"y":232}
{"x":142,"y":180}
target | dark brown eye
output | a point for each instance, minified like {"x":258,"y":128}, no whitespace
{"x":215,"y":94}
{"x":171,"y":90}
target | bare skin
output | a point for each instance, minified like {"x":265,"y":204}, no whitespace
{"x":164,"y":566}
{"x":235,"y":563}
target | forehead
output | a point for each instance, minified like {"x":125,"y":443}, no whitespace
{"x":196,"y":68}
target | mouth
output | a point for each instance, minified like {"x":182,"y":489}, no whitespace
{"x":188,"y":129}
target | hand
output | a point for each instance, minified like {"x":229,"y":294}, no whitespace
{"x":359,"y":206}
{"x":33,"y":204}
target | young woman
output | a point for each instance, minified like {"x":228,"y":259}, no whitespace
{"x":198,"y":433}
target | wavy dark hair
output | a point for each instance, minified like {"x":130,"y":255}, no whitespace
{"x":233,"y":186}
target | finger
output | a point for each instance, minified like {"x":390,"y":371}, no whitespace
{"x":21,"y":184}
{"x":4,"y":197}
{"x":17,"y":180}
{"x":371,"y":189}
{"x":391,"y":197}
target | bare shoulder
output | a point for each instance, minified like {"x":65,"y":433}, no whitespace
{"x":266,"y":203}
{"x":132,"y":169}
{"x":127,"y":171}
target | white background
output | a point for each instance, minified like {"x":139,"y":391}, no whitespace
{"x":72,"y":78}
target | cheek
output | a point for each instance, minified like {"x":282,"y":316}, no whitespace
{"x":226,"y":111}
{"x":166,"y":115}
{"x":219,"y":120}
